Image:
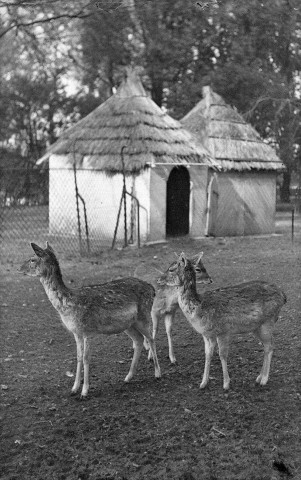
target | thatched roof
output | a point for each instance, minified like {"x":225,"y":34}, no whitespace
{"x":129,"y":118}
{"x":233,"y":143}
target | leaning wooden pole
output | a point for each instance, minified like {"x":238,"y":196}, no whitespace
{"x":124,"y":199}
{"x":77,"y":203}
{"x":117,"y":222}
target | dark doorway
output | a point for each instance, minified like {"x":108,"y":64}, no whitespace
{"x":177,"y":202}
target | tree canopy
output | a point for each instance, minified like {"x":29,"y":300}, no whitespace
{"x":60,"y":60}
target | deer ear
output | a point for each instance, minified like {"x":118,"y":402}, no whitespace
{"x":37,"y":250}
{"x":200,"y":255}
{"x":196,"y":258}
{"x":49,"y":247}
{"x":183,"y":259}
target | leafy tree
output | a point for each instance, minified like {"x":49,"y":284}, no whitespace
{"x":105,"y":48}
{"x":23,"y":15}
{"x":36,"y":105}
{"x":248,"y":51}
{"x":161,"y":37}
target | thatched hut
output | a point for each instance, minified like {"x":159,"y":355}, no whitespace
{"x":164,"y":168}
{"x":242,"y":195}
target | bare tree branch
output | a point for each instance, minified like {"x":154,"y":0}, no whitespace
{"x":19,"y":24}
{"x":260,"y":100}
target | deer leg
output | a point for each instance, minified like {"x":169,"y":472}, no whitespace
{"x":265,"y":335}
{"x":146,"y":346}
{"x":79,"y":349}
{"x":152,"y":346}
{"x":86,"y":359}
{"x":223,"y":348}
{"x":155,"y":320}
{"x":137,"y":338}
{"x":168,"y":326}
{"x":209,"y":349}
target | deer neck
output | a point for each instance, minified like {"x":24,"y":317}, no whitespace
{"x":188,"y":298}
{"x":55,"y":289}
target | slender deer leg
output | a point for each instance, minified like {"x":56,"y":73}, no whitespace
{"x":168,"y":327}
{"x":79,"y":349}
{"x":223,"y":348}
{"x":146,"y":346}
{"x":209,"y":349}
{"x":152,"y":346}
{"x":137,"y":338}
{"x":266,"y":337}
{"x":86,"y":359}
{"x":155,"y":320}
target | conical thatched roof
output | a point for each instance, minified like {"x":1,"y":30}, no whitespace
{"x":129,"y":118}
{"x":233,"y":143}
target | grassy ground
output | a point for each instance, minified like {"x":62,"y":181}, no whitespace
{"x":150,"y":429}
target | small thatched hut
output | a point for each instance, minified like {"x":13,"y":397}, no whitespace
{"x":242,"y":195}
{"x":165,"y":169}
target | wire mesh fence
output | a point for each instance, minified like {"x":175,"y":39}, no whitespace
{"x":76,"y":211}
{"x":80,"y":212}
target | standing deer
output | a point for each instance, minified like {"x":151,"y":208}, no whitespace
{"x":166,"y":301}
{"x":218,"y":314}
{"x":114,"y":307}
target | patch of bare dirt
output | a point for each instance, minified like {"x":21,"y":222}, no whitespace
{"x":151,"y":429}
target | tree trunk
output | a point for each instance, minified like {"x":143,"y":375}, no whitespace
{"x":157,"y":90}
{"x":285,"y":187}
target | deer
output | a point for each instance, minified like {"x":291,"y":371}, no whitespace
{"x":166,"y":302}
{"x":114,"y":307}
{"x":249,"y":307}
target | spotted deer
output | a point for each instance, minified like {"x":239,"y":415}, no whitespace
{"x":114,"y":307}
{"x":218,"y":314}
{"x":166,"y":301}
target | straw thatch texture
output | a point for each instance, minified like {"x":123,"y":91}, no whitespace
{"x":131,"y":119}
{"x":233,"y":143}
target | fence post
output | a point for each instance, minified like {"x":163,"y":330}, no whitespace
{"x":293,"y":224}
{"x":124,"y":199}
{"x":117,"y":222}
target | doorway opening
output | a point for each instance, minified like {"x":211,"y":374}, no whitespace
{"x":177,"y":202}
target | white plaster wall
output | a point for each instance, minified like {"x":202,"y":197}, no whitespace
{"x":62,"y":206}
{"x":102,"y":196}
{"x":142,"y":192}
{"x":158,"y":188}
{"x":198,"y":200}
{"x":246,"y":203}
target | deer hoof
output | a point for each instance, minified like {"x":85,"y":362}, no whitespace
{"x":83,"y":397}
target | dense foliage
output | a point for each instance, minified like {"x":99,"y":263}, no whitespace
{"x":248,"y":51}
